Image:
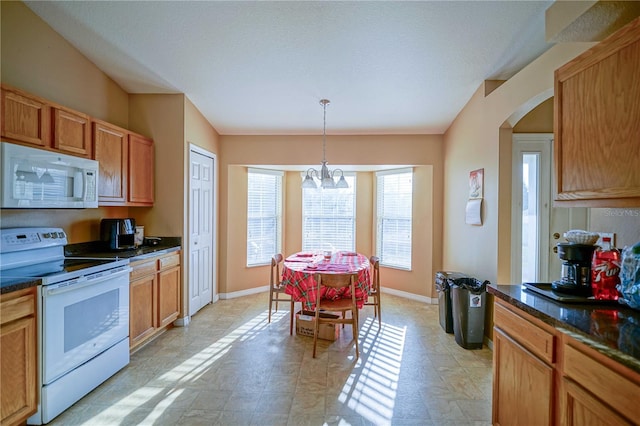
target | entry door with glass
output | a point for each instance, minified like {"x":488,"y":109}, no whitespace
{"x":537,"y":226}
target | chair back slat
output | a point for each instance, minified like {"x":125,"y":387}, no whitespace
{"x":334,"y":280}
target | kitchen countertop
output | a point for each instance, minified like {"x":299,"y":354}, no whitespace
{"x":96,"y":250}
{"x":8,"y":285}
{"x":613,"y":330}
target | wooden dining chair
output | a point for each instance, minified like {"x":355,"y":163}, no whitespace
{"x":336,"y":281}
{"x":276,"y":289}
{"x":374,"y":292}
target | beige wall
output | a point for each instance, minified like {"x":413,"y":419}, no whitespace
{"x":38,"y":60}
{"x":538,"y":120}
{"x":161,"y":117}
{"x":422,"y":151}
{"x":475,"y":140}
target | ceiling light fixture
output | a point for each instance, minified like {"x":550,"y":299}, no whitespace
{"x":325,"y":175}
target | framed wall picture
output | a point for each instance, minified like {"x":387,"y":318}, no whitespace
{"x":476,"y":184}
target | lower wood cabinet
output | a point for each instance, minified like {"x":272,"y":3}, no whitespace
{"x":523,"y":381}
{"x":581,"y":408}
{"x":154,"y":299}
{"x":18,"y":356}
{"x":542,"y":376}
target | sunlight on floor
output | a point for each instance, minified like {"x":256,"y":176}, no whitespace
{"x":188,"y":371}
{"x":371,"y":392}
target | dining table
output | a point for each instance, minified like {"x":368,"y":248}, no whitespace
{"x":299,"y":269}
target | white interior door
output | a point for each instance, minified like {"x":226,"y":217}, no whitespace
{"x":202,"y":286}
{"x":537,"y":226}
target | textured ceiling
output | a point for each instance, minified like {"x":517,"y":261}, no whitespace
{"x":261,"y":67}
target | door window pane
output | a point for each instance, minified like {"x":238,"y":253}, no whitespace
{"x":530,"y":216}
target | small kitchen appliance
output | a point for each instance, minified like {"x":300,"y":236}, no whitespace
{"x":576,"y":269}
{"x":118,"y":234}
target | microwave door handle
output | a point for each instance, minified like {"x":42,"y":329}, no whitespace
{"x":79,"y":184}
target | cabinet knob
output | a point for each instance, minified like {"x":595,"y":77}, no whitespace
{"x":555,"y":249}
{"x":556,"y":236}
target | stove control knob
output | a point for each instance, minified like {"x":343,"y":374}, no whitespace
{"x":60,"y":234}
{"x":46,"y":235}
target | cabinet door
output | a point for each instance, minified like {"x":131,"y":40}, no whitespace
{"x":168,"y":296}
{"x":597,"y":123}
{"x":142,"y":309}
{"x":580,"y":408}
{"x":110,"y":143}
{"x":25,"y":118}
{"x":522,"y":385}
{"x":18,"y":359}
{"x":140,"y":170}
{"x":72,"y":132}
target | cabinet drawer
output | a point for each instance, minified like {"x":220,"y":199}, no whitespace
{"x":169,"y":261}
{"x":529,"y":335}
{"x":609,"y":386}
{"x":16,"y":307}
{"x":143,"y":268}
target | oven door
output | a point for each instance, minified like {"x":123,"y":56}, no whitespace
{"x":82,"y":318}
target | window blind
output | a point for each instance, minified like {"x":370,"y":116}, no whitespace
{"x":328,"y":217}
{"x":394,"y":217}
{"x":264,"y":216}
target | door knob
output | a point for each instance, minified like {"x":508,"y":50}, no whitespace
{"x":556,"y":236}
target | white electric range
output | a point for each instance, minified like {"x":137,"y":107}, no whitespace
{"x":83,"y":312}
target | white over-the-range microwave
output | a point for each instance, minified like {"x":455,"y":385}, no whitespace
{"x":34,"y":178}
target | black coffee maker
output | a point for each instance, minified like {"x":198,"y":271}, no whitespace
{"x":576,"y":269}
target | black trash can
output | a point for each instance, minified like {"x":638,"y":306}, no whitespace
{"x":468,"y":300}
{"x":443,"y":287}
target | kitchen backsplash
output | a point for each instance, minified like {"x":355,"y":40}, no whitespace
{"x":624,"y":222}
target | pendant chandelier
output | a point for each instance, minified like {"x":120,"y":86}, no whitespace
{"x":324,"y":175}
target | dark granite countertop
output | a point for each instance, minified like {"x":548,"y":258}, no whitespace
{"x":8,"y":285}
{"x":96,"y":249}
{"x":613,"y":330}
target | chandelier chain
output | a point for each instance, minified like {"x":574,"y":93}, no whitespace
{"x":324,"y":103}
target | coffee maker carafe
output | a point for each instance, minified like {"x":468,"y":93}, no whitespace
{"x":576,"y":269}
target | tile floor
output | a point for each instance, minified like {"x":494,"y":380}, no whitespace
{"x":230,"y":367}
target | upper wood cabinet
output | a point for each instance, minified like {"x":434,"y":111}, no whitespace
{"x":30,"y":120}
{"x":71,"y":132}
{"x":597,"y":124}
{"x":126,"y":166}
{"x":111,"y":150}
{"x":25,"y":118}
{"x":141,"y":179}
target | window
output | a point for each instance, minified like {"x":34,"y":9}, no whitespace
{"x":328,"y":217}
{"x":395,"y":193}
{"x":264,"y":216}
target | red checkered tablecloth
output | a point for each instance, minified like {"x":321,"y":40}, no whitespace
{"x":299,"y":269}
